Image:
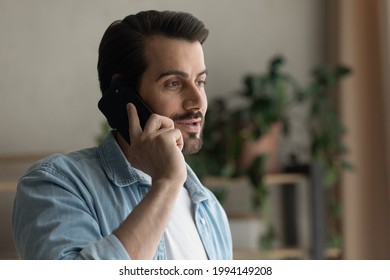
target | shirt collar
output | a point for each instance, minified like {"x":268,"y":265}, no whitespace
{"x":115,"y":164}
{"x":195,"y":188}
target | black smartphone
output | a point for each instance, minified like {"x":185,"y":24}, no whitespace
{"x":113,"y":106}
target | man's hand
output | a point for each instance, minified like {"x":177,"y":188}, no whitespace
{"x":156,"y":150}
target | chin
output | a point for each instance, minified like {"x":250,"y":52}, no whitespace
{"x":192,"y":144}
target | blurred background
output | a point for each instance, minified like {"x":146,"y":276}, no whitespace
{"x":327,"y":194}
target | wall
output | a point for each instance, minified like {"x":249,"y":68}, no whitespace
{"x":48,"y":55}
{"x":364,"y":45}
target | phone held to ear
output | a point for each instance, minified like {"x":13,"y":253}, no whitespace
{"x":113,"y":106}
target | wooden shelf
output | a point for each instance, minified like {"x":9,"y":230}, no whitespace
{"x":283,"y":254}
{"x":274,"y":254}
{"x":285,"y":178}
{"x":8,"y":186}
{"x":28,"y":158}
{"x":12,"y":167}
{"x":269,"y":179}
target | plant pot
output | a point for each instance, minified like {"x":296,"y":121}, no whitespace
{"x":247,"y":231}
{"x":268,"y":145}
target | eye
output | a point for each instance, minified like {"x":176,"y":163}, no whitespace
{"x":201,"y":83}
{"x":173,"y":84}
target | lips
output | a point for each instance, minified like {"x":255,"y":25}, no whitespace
{"x":189,"y":125}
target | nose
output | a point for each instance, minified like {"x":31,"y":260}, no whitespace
{"x":195,"y":99}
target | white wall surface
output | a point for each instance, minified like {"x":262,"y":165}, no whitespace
{"x":48,"y":55}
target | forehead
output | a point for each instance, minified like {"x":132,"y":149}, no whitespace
{"x":163,"y":53}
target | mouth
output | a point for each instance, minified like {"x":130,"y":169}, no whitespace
{"x":190,"y":122}
{"x":189,"y":125}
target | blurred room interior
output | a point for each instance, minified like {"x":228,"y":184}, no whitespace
{"x":49,"y":92}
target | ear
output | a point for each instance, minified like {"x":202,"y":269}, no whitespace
{"x":115,"y":77}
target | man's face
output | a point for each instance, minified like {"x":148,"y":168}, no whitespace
{"x":173,"y":85}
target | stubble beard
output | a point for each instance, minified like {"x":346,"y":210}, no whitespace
{"x":192,"y":143}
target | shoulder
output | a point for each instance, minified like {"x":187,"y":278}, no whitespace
{"x":62,"y":165}
{"x":71,"y":158}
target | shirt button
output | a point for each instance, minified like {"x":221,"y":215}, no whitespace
{"x":203,"y":221}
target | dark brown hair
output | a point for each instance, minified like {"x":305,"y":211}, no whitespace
{"x":121,"y":49}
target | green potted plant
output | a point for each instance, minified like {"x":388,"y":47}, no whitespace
{"x":269,"y":97}
{"x":327,"y":146}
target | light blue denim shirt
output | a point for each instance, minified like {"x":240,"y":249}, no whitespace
{"x":67,"y":207}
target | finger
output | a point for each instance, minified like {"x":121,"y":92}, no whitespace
{"x":179,"y":140}
{"x":177,"y":136}
{"x":157,"y":122}
{"x":134,"y":126}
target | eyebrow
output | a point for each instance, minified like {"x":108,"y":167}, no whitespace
{"x":179,"y":73}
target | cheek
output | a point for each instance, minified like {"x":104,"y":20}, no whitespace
{"x":163,"y":105}
{"x":152,"y":98}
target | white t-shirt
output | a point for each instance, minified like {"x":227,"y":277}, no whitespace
{"x":182,"y":239}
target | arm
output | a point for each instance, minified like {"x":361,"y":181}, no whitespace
{"x":156,"y":151}
{"x":54,"y":216}
{"x":141,"y":232}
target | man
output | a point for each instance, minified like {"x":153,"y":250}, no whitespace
{"x":138,"y":200}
